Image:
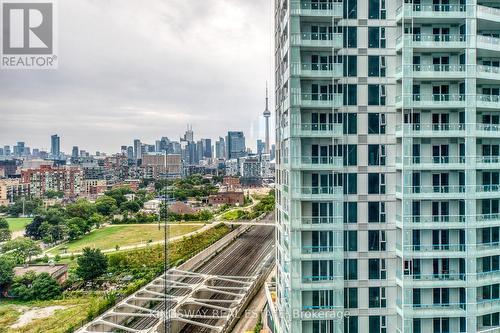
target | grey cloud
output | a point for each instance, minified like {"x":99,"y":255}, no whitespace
{"x":144,"y":69}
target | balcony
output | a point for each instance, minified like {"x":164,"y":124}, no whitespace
{"x":314,"y":70}
{"x":487,"y":162}
{"x":317,"y":130}
{"x":487,"y":191}
{"x":321,"y":222}
{"x":430,"y":310}
{"x":431,"y":71}
{"x":317,"y":100}
{"x":309,"y":8}
{"x":430,"y":130}
{"x":431,"y":221}
{"x":318,"y":193}
{"x":445,"y":101}
{"x":431,"y":163}
{"x":488,"y":220}
{"x":488,"y":72}
{"x":317,"y":40}
{"x":432,"y":250}
{"x":488,"y":101}
{"x":319,"y":163}
{"x":431,"y":13}
{"x":431,"y":192}
{"x":488,"y":13}
{"x":488,"y":43}
{"x":442,"y":280}
{"x":487,"y":249}
{"x":488,"y":277}
{"x":432,"y":42}
{"x":488,"y":130}
{"x":311,"y":252}
{"x":488,"y":305}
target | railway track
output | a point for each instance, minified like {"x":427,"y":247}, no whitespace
{"x":243,"y":257}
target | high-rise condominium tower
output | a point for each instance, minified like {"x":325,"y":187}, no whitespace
{"x":388,"y":172}
{"x":55,"y":146}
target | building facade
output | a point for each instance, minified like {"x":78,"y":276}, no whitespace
{"x":388,"y":165}
{"x":235,"y":141}
{"x":68,"y":180}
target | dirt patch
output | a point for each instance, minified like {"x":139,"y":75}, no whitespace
{"x":35,"y":313}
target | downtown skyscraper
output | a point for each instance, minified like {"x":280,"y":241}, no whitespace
{"x":388,"y":169}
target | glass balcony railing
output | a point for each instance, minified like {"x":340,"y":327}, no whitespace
{"x":317,"y":69}
{"x":432,"y":100}
{"x":431,"y":71}
{"x":481,"y":69}
{"x":487,"y":246}
{"x":315,"y":39}
{"x":317,"y":129}
{"x":432,"y":247}
{"x":432,"y":41}
{"x":488,"y":159}
{"x":488,"y":101}
{"x":310,"y":220}
{"x":320,"y":278}
{"x":486,"y":12}
{"x":320,"y":162}
{"x":488,"y":274}
{"x":488,"y":188}
{"x":441,"y":219}
{"x":315,"y":8}
{"x":431,"y":189}
{"x":430,"y":129}
{"x":434,"y":160}
{"x":488,"y":42}
{"x":319,"y":192}
{"x":487,"y":218}
{"x":320,"y":99}
{"x":438,"y":10}
{"x":320,"y":248}
{"x":443,"y":276}
{"x":491,"y":128}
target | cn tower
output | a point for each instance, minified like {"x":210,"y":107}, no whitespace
{"x":267,"y":114}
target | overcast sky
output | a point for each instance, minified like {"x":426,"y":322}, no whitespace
{"x":144,"y":69}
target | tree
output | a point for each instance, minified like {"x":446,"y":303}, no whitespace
{"x":45,"y":287}
{"x":105,"y":205}
{"x":130,"y":206}
{"x":5,"y":233}
{"x":4,"y":224}
{"x":51,"y":194}
{"x":91,"y":264}
{"x":33,"y":229}
{"x":36,"y":287}
{"x":82,"y":209}
{"x":30,"y":207}
{"x":77,"y":227}
{"x":22,"y":249}
{"x":6,"y":271}
{"x":96,"y":220}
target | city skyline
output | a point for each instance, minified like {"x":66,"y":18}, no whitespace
{"x":120,"y":93}
{"x":253,"y":145}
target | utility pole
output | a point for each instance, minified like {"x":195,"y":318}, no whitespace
{"x":166,"y":314}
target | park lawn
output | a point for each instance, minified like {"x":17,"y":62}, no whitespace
{"x":73,"y":315}
{"x":124,"y":235}
{"x":18,"y":223}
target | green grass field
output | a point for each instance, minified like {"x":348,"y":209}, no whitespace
{"x":18,"y":223}
{"x":74,"y":313}
{"x":124,"y":235}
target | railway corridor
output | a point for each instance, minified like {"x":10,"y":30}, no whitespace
{"x":200,"y":301}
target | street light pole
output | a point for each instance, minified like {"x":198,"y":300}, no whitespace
{"x":165,"y":249}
